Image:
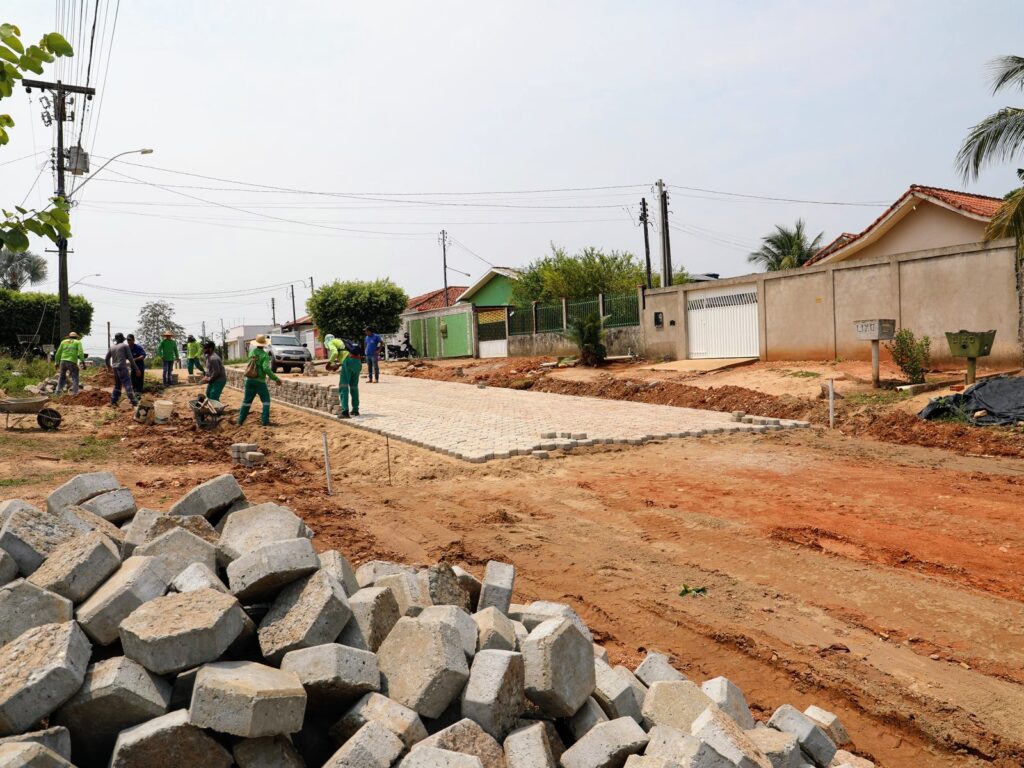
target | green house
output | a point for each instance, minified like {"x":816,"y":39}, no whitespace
{"x":491,"y":296}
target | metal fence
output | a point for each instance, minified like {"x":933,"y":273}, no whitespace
{"x":520,"y":321}
{"x":549,"y":318}
{"x":582,"y":309}
{"x":621,"y":310}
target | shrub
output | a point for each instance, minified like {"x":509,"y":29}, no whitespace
{"x":29,"y":313}
{"x":344,"y":309}
{"x":911,"y":354}
{"x":588,"y":336}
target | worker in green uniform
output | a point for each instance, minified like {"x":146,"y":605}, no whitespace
{"x":216,"y":377}
{"x":67,"y":359}
{"x":259,"y":363}
{"x":167,"y":351}
{"x":193,"y":349}
{"x":347,"y":356}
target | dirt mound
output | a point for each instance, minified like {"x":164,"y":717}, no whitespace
{"x":89,"y":397}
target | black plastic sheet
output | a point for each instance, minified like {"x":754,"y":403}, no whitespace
{"x":1002,"y":399}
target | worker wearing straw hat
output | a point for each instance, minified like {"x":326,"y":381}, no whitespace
{"x":256,"y":374}
{"x":167,"y":350}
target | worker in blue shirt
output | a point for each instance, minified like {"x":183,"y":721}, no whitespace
{"x":139,"y":356}
{"x":371,"y":347}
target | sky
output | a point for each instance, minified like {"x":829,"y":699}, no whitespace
{"x":320,"y":126}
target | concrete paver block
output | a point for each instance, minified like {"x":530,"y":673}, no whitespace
{"x":80,"y":488}
{"x":138,"y":580}
{"x":812,"y":737}
{"x":262,"y":573}
{"x":606,"y":745}
{"x":198,"y":576}
{"x":177,"y":549}
{"x":470,"y":583}
{"x":179,"y":631}
{"x":194,"y":524}
{"x":8,"y":568}
{"x":9,"y":506}
{"x":423,"y":665}
{"x":209,"y":498}
{"x":657,"y":666}
{"x":23,"y":605}
{"x":247,"y":699}
{"x":586,"y":717}
{"x":496,"y":588}
{"x":340,"y":568}
{"x":29,"y":535}
{"x":844,"y":759}
{"x":494,"y":697}
{"x":168,"y":741}
{"x":117,"y":693}
{"x":372,"y":746}
{"x":441,"y":586}
{"x":56,"y":738}
{"x":40,"y":670}
{"x":781,"y":748}
{"x":541,"y":610}
{"x":495,"y":631}
{"x":267,"y":752}
{"x":334,"y":671}
{"x":374,"y":613}
{"x":432,"y":757}
{"x":559,"y":667}
{"x":368,"y":573}
{"x":682,"y":749}
{"x":467,"y":737}
{"x":308,"y":612}
{"x":720,"y":732}
{"x":676,"y":703}
{"x":30,"y":755}
{"x":408,"y":591}
{"x":84,"y":521}
{"x":614,"y":693}
{"x":528,"y":747}
{"x":374,"y":707}
{"x":136,"y":530}
{"x":730,"y":700}
{"x":457,"y":618}
{"x":115,"y":506}
{"x":831,"y":723}
{"x":257,"y":526}
{"x":638,"y":688}
{"x":78,"y":566}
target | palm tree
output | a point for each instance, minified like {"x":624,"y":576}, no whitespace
{"x":18,"y":269}
{"x":999,"y":137}
{"x":785,"y":248}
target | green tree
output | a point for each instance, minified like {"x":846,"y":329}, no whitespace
{"x":580,"y":276}
{"x":999,"y":138}
{"x":155,"y":319}
{"x":345,"y":308}
{"x":785,"y":248}
{"x":28,"y":313}
{"x":15,"y":59}
{"x":588,"y":336}
{"x":19,"y":269}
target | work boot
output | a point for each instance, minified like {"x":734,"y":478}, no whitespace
{"x":344,"y":415}
{"x":355,"y":411}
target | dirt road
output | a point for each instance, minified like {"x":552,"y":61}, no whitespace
{"x":884,"y":582}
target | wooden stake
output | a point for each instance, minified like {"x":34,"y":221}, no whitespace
{"x":387,"y":445}
{"x":327,"y":464}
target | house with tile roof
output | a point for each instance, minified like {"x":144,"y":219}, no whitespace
{"x":921,"y":219}
{"x":435,"y":299}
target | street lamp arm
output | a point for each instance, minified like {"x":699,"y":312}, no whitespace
{"x":109,"y":161}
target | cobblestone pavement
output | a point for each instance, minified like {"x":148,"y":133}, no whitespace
{"x":480,"y":424}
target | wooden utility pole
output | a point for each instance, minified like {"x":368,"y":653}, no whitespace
{"x":647,"y":240}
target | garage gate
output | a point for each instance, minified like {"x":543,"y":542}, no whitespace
{"x":722,"y":323}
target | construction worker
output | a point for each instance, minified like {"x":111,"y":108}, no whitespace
{"x":216,"y":377}
{"x":260,"y":361}
{"x":66,"y":359}
{"x":119,"y":361}
{"x":372,"y":344}
{"x":139,"y":356}
{"x":167,"y":351}
{"x":346,"y":356}
{"x":192,"y":351}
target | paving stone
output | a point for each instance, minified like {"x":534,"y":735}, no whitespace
{"x":340,"y":568}
{"x":263,"y":573}
{"x":56,"y":739}
{"x":676,"y":703}
{"x":372,"y":746}
{"x":494,"y":697}
{"x":831,"y":724}
{"x":601,"y":653}
{"x":720,"y":732}
{"x":730,"y":700}
{"x":844,"y":759}
{"x":136,"y":530}
{"x":586,"y":717}
{"x":496,"y":588}
{"x":209,"y":498}
{"x":30,"y":755}
{"x":638,"y":688}
{"x":559,"y":667}
{"x":80,"y":488}
{"x":470,"y":583}
{"x":29,"y":535}
{"x":9,"y":506}
{"x":334,"y":671}
{"x":614,"y":693}
{"x":194,"y":524}
{"x":308,"y":612}
{"x":179,"y":631}
{"x":457,"y":618}
{"x":177,"y":549}
{"x":198,"y":576}
{"x":541,"y":610}
{"x":657,"y":666}
{"x":117,"y":693}
{"x":431,"y":757}
{"x":423,"y":665}
{"x":781,"y":749}
{"x":115,"y":506}
{"x":467,"y":737}
{"x":441,"y":586}
{"x":812,"y":737}
{"x":24,"y":605}
{"x":267,"y":752}
{"x":374,"y":707}
{"x":682,"y":749}
{"x":138,"y":580}
{"x":40,"y":670}
{"x":495,"y":631}
{"x":368,"y":573}
{"x":374,"y":613}
{"x":257,"y":526}
{"x":606,"y":745}
{"x":78,"y":567}
{"x":407,"y":590}
{"x":528,"y":747}
{"x":8,"y":568}
{"x":168,"y":741}
{"x":84,"y":521}
{"x":247,"y":699}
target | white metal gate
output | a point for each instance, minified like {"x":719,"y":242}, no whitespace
{"x":722,"y":322}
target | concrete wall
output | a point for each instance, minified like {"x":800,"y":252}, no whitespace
{"x":618,"y":341}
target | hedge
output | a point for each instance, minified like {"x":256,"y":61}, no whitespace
{"x":21,"y":313}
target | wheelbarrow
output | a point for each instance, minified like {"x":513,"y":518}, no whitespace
{"x":207,"y":413}
{"x":23,"y":407}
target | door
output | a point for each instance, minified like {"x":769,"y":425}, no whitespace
{"x":492,"y":331}
{"x":433,"y":338}
{"x":455,"y":334}
{"x":722,"y":323}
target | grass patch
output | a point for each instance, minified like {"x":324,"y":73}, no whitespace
{"x":880,"y":397}
{"x":90,"y":449}
{"x":15,"y":375}
{"x":10,"y":482}
{"x":804,"y":374}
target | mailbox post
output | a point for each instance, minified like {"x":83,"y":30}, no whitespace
{"x":875,"y":331}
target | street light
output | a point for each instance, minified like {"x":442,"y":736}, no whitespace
{"x":94,"y":274}
{"x":109,"y":161}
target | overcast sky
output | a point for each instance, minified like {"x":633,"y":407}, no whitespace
{"x":839,"y":101}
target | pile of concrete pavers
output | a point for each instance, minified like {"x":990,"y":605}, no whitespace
{"x":213,"y":634}
{"x":298,"y":393}
{"x":247,"y":454}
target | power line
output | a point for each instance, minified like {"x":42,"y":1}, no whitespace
{"x":106,"y":73}
{"x":197,"y":295}
{"x":19,"y":159}
{"x":471,"y":252}
{"x":866,"y":204}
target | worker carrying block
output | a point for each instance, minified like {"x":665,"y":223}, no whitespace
{"x":346,"y":356}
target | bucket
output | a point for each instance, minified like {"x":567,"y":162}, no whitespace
{"x":163,"y":409}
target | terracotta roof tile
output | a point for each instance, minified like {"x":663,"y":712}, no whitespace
{"x":435,"y":299}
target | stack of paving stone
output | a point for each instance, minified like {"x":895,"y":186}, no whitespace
{"x":247,"y":454}
{"x":212,"y":634}
{"x":302,"y":394}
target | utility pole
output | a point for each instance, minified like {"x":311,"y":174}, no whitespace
{"x":60,"y":90}
{"x":294,"y":316}
{"x":311,"y":288}
{"x":202,"y":333}
{"x":223,"y":340}
{"x":108,"y":334}
{"x":666,"y":245}
{"x":443,"y":239}
{"x":647,"y":241}
{"x":273,"y":312}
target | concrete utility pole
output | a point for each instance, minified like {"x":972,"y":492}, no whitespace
{"x":647,"y":240}
{"x":294,"y":316}
{"x":273,"y":312}
{"x":202,"y":333}
{"x":311,"y":288}
{"x":666,"y":245}
{"x":443,"y":239}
